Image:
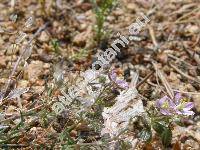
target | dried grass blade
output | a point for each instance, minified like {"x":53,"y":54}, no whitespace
{"x":164,"y":81}
{"x":166,"y":84}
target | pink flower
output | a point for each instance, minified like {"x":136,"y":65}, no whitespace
{"x":121,"y":83}
{"x":179,"y":105}
{"x":166,"y":105}
{"x":183,"y":107}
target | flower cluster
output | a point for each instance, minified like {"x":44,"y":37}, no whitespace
{"x":177,"y":106}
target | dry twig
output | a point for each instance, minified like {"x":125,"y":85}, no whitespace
{"x":184,"y":74}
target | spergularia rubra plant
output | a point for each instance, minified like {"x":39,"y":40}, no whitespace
{"x":177,"y":106}
{"x":166,"y":112}
{"x":183,"y":106}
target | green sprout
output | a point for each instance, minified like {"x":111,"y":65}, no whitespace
{"x":56,"y":46}
{"x":102,"y":10}
{"x":83,"y":53}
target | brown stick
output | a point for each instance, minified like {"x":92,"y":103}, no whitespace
{"x":144,"y":80}
{"x":184,"y":74}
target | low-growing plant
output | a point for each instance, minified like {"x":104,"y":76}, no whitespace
{"x":102,"y":9}
{"x":163,"y":115}
{"x":55,"y":45}
{"x":82,"y":54}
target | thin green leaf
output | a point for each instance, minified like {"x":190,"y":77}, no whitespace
{"x":166,"y":137}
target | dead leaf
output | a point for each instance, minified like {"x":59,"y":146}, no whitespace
{"x":177,"y":146}
{"x":148,"y":146}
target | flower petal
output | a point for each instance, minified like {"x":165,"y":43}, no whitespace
{"x":177,"y":98}
{"x":189,"y":105}
{"x":165,"y":112}
{"x":171,"y":103}
{"x":178,"y":112}
{"x":186,"y":112}
{"x":122,"y":84}
{"x":113,"y":75}
{"x":159,"y":102}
